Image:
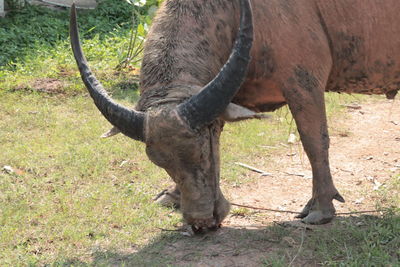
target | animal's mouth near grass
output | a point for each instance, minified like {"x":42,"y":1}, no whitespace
{"x":201,"y":230}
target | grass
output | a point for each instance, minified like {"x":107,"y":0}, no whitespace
{"x":352,"y":241}
{"x":75,"y":199}
{"x":70,"y":190}
{"x":26,"y":30}
{"x":363,"y":241}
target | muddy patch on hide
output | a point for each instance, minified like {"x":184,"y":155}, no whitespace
{"x":266,"y":61}
{"x":305,"y":79}
{"x":349,"y":48}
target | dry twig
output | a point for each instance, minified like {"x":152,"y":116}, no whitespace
{"x":300,"y":247}
{"x":263,"y":173}
{"x":295,"y":212}
{"x":266,"y":209}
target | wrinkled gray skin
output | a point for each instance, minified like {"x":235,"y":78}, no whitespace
{"x":301,"y":49}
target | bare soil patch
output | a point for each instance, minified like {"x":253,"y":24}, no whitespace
{"x":364,"y":154}
{"x":49,"y":86}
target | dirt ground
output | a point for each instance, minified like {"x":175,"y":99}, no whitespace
{"x":364,"y":154}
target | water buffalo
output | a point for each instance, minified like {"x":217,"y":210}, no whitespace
{"x":199,"y":70}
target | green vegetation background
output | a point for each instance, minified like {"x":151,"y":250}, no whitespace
{"x":31,"y":28}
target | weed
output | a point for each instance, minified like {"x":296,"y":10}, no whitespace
{"x":32,"y":29}
{"x":363,"y":241}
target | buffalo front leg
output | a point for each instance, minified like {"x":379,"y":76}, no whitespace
{"x":305,"y":96}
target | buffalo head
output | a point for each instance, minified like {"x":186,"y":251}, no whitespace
{"x":182,"y":138}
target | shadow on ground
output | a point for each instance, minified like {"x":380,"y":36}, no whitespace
{"x":346,"y":240}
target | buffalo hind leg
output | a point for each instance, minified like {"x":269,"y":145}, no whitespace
{"x":305,"y":96}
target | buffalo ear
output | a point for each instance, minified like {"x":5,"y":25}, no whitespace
{"x":110,"y":133}
{"x":238,"y":113}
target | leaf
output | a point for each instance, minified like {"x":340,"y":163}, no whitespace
{"x":141,"y":30}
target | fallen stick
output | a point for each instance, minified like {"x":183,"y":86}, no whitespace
{"x":300,"y":248}
{"x":354,"y":106}
{"x":295,"y":212}
{"x":295,"y":174}
{"x":265,"y":209}
{"x":271,"y":147}
{"x":263,"y":173}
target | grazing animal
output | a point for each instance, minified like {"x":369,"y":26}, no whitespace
{"x":199,"y":71}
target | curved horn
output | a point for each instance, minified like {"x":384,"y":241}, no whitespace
{"x":128,"y":121}
{"x":206,"y":106}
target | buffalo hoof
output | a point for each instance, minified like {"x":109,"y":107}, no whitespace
{"x":169,"y":198}
{"x":318,"y":217}
{"x":319,"y":212}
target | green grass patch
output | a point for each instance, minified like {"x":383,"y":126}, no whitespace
{"x":73,"y":195}
{"x":27,"y":30}
{"x":70,"y":190}
{"x":362,"y":241}
{"x":33,"y":29}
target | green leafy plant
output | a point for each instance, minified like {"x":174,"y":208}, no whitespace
{"x":15,"y":4}
{"x":143,"y":14}
{"x":26,"y":30}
